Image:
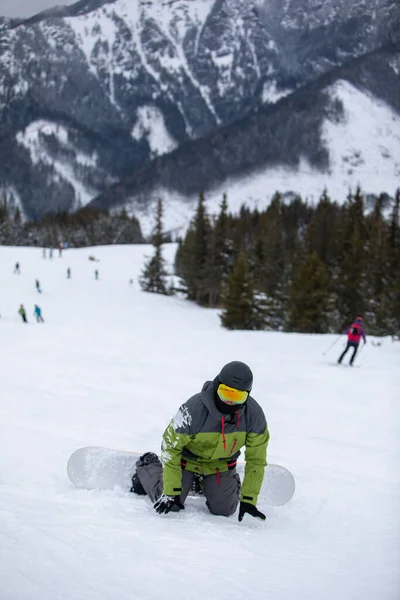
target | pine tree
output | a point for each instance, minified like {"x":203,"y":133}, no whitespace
{"x":154,"y":275}
{"x":394,"y":262}
{"x":308,"y":304}
{"x":350,"y":279}
{"x":17,"y":216}
{"x":240,"y":307}
{"x":378,"y":272}
{"x":193,"y":256}
{"x":219,"y":256}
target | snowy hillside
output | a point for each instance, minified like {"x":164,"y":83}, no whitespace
{"x":110,"y":366}
{"x":363,"y":144}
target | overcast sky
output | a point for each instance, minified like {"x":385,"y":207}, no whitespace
{"x":27,"y":8}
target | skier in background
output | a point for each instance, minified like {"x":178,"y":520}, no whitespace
{"x":204,"y":438}
{"x":38,"y":314}
{"x":22,"y":312}
{"x":51,"y":253}
{"x":44,"y":252}
{"x":68,"y":273}
{"x":16,"y":268}
{"x":37,"y":285}
{"x":96,"y":274}
{"x":354,"y":333}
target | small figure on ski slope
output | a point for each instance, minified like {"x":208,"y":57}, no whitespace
{"x":16,"y":268}
{"x":204,"y":439}
{"x":37,"y":312}
{"x":37,"y":285}
{"x":354,"y":333}
{"x":68,"y":273}
{"x":22,"y":312}
{"x":96,"y":274}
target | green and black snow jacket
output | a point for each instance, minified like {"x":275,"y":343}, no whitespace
{"x":201,"y":439}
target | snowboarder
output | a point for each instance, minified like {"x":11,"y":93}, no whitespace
{"x":16,"y":268}
{"x":38,"y":314}
{"x":68,"y":273}
{"x":204,"y":438}
{"x":354,"y":333}
{"x":37,"y":285}
{"x":22,"y":312}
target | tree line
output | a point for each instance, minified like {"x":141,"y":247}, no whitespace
{"x":291,"y":267}
{"x":85,"y":227}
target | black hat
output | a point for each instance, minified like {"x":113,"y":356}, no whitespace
{"x":237,"y":375}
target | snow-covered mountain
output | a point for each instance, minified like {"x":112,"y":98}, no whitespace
{"x":332,"y":134}
{"x":94,"y":92}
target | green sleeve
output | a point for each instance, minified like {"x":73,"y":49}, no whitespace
{"x":171,"y":454}
{"x":256,"y":460}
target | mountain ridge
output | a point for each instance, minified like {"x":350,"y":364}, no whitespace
{"x":114,"y":84}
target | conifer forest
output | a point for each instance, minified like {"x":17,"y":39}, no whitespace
{"x":295,"y":266}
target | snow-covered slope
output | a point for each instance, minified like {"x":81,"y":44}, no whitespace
{"x":110,"y":366}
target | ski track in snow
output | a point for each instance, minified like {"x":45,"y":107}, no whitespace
{"x":110,"y":366}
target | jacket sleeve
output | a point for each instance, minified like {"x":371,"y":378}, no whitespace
{"x":256,"y":460}
{"x":172,"y":445}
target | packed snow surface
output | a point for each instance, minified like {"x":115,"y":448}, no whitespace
{"x":110,"y":366}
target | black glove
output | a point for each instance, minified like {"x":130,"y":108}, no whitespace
{"x":167,"y":503}
{"x":245,"y":507}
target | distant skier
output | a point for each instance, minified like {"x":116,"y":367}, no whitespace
{"x":38,"y":314}
{"x":96,"y":274}
{"x":68,"y":273}
{"x":16,"y":268}
{"x":60,"y":249}
{"x":37,"y":285}
{"x":22,"y":312}
{"x":204,"y":439}
{"x":44,"y":252}
{"x":51,"y":253}
{"x":354,"y":333}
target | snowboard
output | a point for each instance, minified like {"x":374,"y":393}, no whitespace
{"x":94,"y":467}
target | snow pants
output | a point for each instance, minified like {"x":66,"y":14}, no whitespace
{"x":222,"y":491}
{"x":349,"y":345}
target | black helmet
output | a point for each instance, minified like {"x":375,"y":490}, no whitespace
{"x":238,"y":375}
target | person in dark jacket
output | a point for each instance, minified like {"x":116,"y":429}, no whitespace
{"x":204,"y":438}
{"x":354,"y":333}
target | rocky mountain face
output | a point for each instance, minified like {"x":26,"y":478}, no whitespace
{"x":178,"y":93}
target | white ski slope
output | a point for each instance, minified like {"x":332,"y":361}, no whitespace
{"x":110,"y":366}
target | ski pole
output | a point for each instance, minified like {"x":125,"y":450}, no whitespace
{"x":358,"y":355}
{"x":331,"y":346}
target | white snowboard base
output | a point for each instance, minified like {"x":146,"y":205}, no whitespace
{"x":101,"y":468}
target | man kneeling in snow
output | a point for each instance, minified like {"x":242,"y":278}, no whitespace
{"x":204,"y":439}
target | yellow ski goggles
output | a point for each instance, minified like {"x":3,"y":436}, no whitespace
{"x":231,"y":395}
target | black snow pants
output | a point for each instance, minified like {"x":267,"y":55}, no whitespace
{"x":349,"y":345}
